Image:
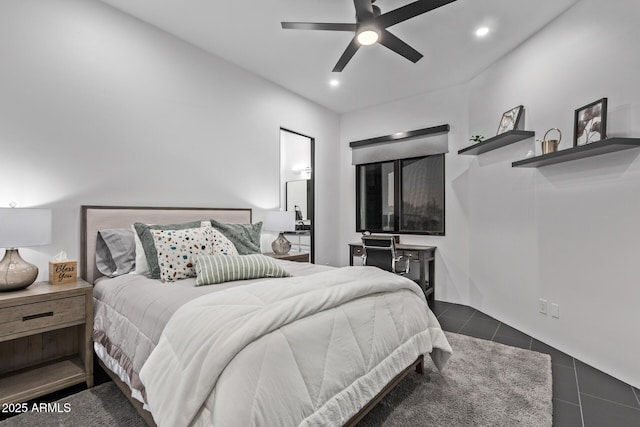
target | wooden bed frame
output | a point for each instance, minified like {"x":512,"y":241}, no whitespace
{"x":148,"y":418}
{"x":95,"y":218}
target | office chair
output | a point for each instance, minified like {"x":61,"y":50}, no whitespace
{"x":380,"y":251}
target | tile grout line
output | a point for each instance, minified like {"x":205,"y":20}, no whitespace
{"x":496,"y":331}
{"x":611,"y":401}
{"x":467,"y":321}
{"x":575,"y":372}
{"x":445,"y":310}
{"x":636,"y":394}
{"x":565,"y":401}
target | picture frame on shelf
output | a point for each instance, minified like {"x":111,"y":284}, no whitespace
{"x":510,"y":120}
{"x":590,"y":123}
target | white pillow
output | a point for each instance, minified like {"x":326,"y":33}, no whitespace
{"x":176,"y":247}
{"x":142,"y":266}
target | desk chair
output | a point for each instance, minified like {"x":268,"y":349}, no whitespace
{"x":380,"y":251}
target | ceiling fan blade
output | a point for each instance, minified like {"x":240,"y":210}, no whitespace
{"x":364,"y":10}
{"x":409,"y":11}
{"x":392,"y":42}
{"x":346,"y":56}
{"x":330,"y":26}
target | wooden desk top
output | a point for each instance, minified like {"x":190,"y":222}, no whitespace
{"x":406,"y":247}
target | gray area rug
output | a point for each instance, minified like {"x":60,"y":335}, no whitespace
{"x":485,"y":384}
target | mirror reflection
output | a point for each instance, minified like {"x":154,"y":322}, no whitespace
{"x":297,"y":194}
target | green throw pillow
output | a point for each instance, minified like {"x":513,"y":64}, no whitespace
{"x":245,"y":237}
{"x":212,"y":269}
{"x":149,"y":247}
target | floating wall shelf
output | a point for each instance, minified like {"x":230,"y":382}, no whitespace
{"x":497,"y":141}
{"x":604,"y":146}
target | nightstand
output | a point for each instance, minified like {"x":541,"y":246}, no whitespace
{"x":291,"y":256}
{"x":45,"y":339}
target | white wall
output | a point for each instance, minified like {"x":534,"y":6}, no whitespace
{"x":97,"y":107}
{"x":567,"y":233}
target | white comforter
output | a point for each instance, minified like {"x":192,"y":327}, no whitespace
{"x":298,"y":351}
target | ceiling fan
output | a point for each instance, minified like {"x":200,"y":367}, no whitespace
{"x":371,"y":27}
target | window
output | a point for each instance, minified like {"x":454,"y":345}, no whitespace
{"x":376,"y":194}
{"x":402,"y":196}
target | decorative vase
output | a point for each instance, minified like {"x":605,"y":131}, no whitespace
{"x":281,"y":246}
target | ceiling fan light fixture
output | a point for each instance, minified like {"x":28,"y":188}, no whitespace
{"x":371,"y":27}
{"x":368,"y":36}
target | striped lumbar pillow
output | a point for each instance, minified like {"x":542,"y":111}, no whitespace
{"x":212,"y":269}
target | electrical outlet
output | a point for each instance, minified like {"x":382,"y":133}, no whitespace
{"x":555,"y":310}
{"x":542,"y":306}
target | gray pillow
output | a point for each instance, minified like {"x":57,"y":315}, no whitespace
{"x":149,"y":247}
{"x":245,"y":237}
{"x":115,"y":251}
{"x":213,"y":269}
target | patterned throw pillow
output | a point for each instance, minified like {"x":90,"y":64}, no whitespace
{"x":222,"y":245}
{"x":245,"y":237}
{"x":148,"y":245}
{"x":220,"y":269}
{"x":176,"y":248}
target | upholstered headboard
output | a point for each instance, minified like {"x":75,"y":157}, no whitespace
{"x":95,"y":218}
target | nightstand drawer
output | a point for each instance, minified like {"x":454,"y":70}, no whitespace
{"x":42,"y":315}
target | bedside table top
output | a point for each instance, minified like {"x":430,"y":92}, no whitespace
{"x":291,"y":256}
{"x":44,"y":290}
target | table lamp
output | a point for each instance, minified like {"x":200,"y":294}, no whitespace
{"x":280,"y":221}
{"x":19,"y":228}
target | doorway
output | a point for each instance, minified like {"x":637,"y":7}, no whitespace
{"x":297,"y":187}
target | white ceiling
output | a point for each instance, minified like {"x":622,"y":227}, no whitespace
{"x":248,"y":33}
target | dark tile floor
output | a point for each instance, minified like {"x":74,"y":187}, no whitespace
{"x":582,"y":395}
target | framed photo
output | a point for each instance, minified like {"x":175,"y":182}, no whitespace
{"x":510,"y":120}
{"x":590,"y":123}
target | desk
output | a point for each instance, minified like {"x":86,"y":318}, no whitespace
{"x":424,"y":255}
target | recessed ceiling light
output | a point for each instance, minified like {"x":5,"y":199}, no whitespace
{"x":334,"y":82}
{"x":482,"y":31}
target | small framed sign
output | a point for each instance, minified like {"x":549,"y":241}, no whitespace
{"x":63,"y":272}
{"x":510,"y":120}
{"x":590,"y":123}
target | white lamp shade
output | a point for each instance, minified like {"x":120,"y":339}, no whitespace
{"x":280,"y":221}
{"x":24,"y":227}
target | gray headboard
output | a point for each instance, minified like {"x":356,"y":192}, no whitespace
{"x":95,"y":218}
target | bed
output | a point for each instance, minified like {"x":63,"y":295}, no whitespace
{"x":319,"y":348}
